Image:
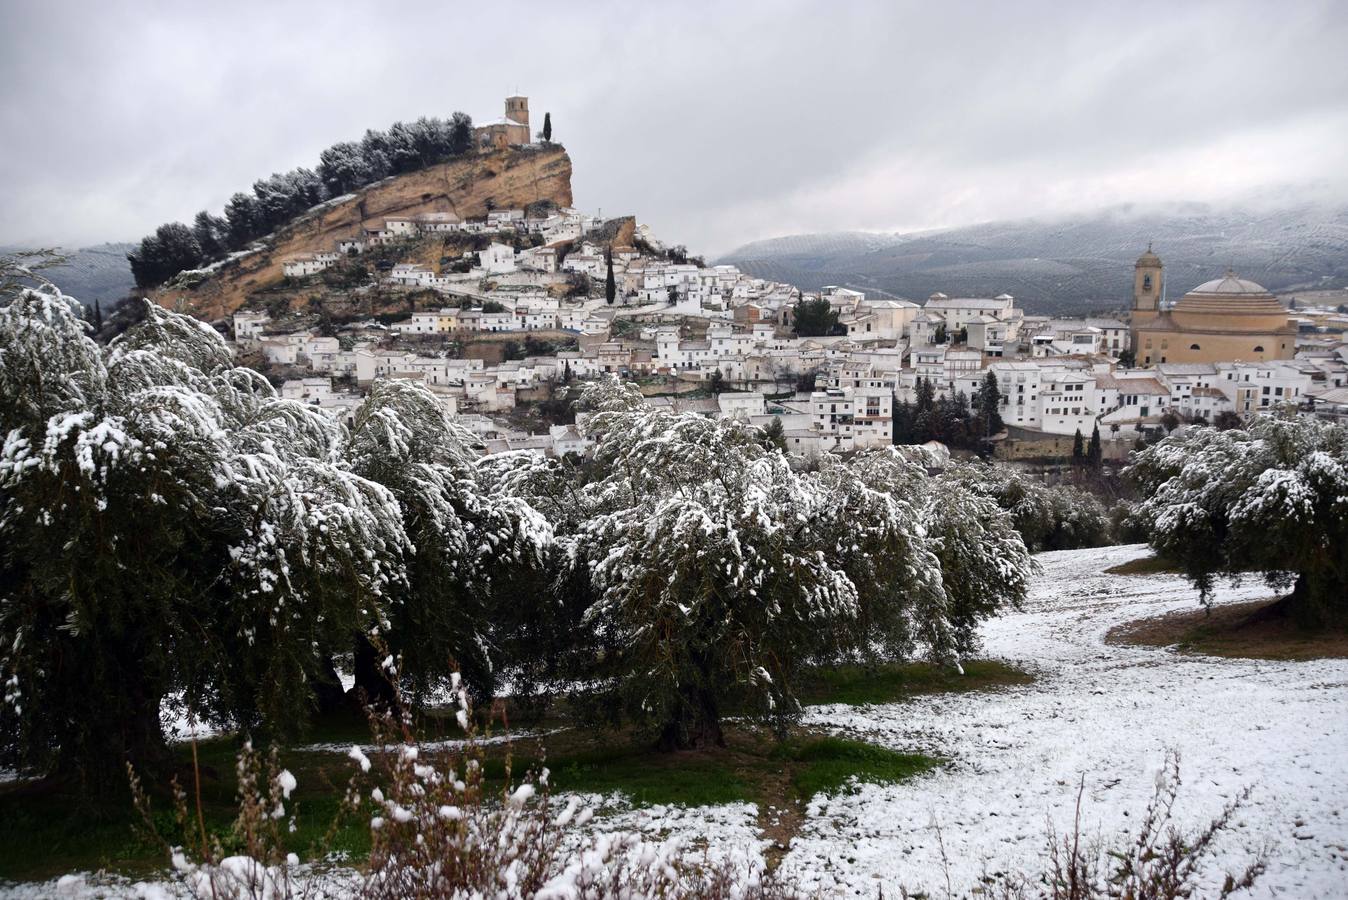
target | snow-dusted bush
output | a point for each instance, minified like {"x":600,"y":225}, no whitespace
{"x":1271,"y":498}
{"x":171,"y":526}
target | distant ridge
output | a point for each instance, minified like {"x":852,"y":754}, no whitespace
{"x":92,"y":273}
{"x":1070,"y":265}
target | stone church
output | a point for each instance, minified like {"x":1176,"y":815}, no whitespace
{"x":509,"y":130}
{"x":1222,"y":320}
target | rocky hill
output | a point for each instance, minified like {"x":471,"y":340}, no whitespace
{"x":468,"y":187}
{"x":1072,"y":265}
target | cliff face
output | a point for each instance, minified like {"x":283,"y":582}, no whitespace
{"x":505,"y":179}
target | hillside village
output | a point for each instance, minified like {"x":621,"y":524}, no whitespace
{"x":499,"y":313}
{"x":412,"y":526}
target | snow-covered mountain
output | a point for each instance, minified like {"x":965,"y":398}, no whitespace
{"x":92,"y":273}
{"x":1071,"y":265}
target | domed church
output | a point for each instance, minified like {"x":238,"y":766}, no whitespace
{"x":1222,"y":320}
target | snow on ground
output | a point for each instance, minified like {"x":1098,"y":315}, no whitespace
{"x":1107,"y":712}
{"x":1016,"y":756}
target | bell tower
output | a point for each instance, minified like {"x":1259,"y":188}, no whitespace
{"x":517,"y":109}
{"x":1148,"y":280}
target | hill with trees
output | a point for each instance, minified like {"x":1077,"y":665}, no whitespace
{"x":468,"y":186}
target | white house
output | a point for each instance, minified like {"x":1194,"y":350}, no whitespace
{"x":497,"y":259}
{"x":248,"y":325}
{"x":742,"y":406}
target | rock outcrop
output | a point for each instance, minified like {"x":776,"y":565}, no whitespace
{"x":468,"y":187}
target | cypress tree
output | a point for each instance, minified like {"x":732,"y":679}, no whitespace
{"x":1094,"y":453}
{"x":986,"y":400}
{"x":1078,"y":448}
{"x":547,"y":130}
{"x":610,"y":284}
{"x":926,"y":394}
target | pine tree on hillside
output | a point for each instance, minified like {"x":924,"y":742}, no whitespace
{"x":814,"y":318}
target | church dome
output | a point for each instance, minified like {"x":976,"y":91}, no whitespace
{"x":1231,"y":304}
{"x":1230,"y":285}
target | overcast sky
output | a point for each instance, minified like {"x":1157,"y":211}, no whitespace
{"x":716,"y":123}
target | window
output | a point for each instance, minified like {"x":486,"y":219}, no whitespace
{"x":1195,"y":347}
{"x":1259,"y":348}
{"x":1146,"y":283}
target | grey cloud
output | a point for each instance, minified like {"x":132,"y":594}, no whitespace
{"x":717,"y":123}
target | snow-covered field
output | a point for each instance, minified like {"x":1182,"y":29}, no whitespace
{"x":1106,"y":712}
{"x":1109,"y":713}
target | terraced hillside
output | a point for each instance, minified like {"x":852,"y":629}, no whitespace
{"x":1075,"y":265}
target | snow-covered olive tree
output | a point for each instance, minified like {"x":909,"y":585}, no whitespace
{"x":471,"y":543}
{"x":1271,"y":498}
{"x":716,"y":568}
{"x":168,"y":526}
{"x":981,"y":559}
{"x":706,"y":555}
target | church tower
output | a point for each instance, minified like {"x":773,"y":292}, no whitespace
{"x":517,"y":108}
{"x":1148,"y":284}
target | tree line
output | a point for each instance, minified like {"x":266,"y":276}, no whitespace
{"x":342,"y":168}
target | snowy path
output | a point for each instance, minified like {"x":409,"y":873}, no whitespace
{"x":1108,"y":712}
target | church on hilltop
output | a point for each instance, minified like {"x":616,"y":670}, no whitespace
{"x":1227,"y":319}
{"x":508,"y":131}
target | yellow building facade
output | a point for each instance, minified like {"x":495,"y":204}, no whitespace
{"x":1227,"y":319}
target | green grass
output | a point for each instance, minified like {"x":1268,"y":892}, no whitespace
{"x":896,"y":682}
{"x":829,"y":764}
{"x":46,"y":834}
{"x":48,"y":831}
{"x":648,"y":778}
{"x":752,"y":768}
